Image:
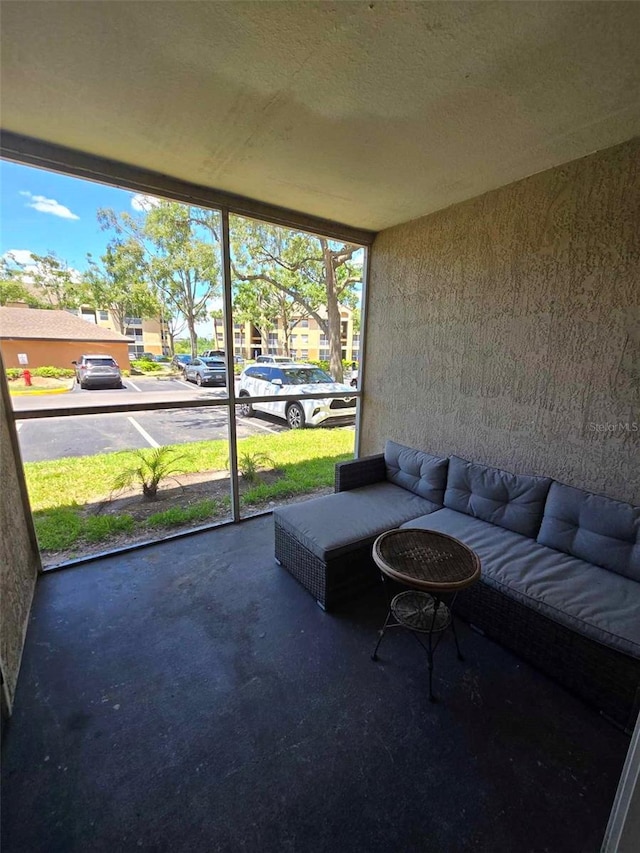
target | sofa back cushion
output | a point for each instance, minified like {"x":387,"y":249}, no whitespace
{"x":594,"y":528}
{"x":416,"y":471}
{"x":512,"y":501}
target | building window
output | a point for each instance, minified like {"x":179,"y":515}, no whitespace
{"x":304,"y":339}
{"x":273,"y":339}
{"x":133,"y":321}
{"x":324,"y":341}
{"x":304,"y":353}
{"x":304,"y":324}
{"x":104,"y":315}
{"x":323,"y":355}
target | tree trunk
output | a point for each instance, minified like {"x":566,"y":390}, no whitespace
{"x":333,"y":315}
{"x":264,"y":339}
{"x":193,"y":336}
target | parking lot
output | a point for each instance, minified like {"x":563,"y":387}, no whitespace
{"x":86,"y":435}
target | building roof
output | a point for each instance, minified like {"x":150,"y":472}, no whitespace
{"x":40,"y":323}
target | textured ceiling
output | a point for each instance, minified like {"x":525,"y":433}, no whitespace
{"x":366,"y":113}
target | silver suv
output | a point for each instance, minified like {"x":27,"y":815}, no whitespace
{"x":98,"y":371}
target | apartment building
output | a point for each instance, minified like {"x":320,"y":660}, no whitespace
{"x":146,"y":335}
{"x":303,"y":339}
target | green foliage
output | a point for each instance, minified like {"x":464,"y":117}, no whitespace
{"x":58,"y":528}
{"x":250,"y":462}
{"x":14,"y":373}
{"x":151,"y":467}
{"x":180,"y":246}
{"x":63,"y":527}
{"x":306,"y":462}
{"x":146,"y":357}
{"x":278,"y":270}
{"x":53,"y":372}
{"x":145,"y":366}
{"x":183,"y":346}
{"x":82,"y":479}
{"x":120,"y":283}
{"x":97,"y":528}
{"x":15,"y":291}
{"x":52,"y":283}
{"x":177,"y":515}
{"x":324,"y":365}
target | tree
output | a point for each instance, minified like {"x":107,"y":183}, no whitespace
{"x":267,"y":308}
{"x":12,"y":290}
{"x":49,"y":278}
{"x":172,"y":320}
{"x":119,"y":284}
{"x":253,"y":303}
{"x":312,"y":271}
{"x":178,"y":242}
{"x":218,"y":317}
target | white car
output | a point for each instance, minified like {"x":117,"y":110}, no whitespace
{"x":273,"y":359}
{"x":261,"y":380}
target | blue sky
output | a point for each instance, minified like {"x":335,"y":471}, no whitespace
{"x":42,"y":211}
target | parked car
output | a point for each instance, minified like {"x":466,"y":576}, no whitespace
{"x":98,"y":371}
{"x":212,"y":353}
{"x":180,"y":361}
{"x":206,"y":371}
{"x":260,"y":380}
{"x":274,"y":359}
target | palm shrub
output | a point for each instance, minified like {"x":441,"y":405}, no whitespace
{"x":151,"y":468}
{"x":249,"y":463}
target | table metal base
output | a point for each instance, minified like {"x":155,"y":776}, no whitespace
{"x":420,"y":613}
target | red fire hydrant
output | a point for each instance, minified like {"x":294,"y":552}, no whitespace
{"x":26,"y":375}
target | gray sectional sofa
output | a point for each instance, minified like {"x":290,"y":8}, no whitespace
{"x":560,"y":567}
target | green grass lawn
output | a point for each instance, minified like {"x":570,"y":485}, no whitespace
{"x":59,"y":489}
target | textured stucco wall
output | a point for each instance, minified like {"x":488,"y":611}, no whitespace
{"x":19,"y":560}
{"x":506,"y":329}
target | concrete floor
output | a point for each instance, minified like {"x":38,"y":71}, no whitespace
{"x":191,"y":696}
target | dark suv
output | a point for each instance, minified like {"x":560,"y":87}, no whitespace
{"x":98,"y":371}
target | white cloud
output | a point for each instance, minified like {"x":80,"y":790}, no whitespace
{"x":22,"y":257}
{"x":48,"y":205}
{"x":144,"y":203}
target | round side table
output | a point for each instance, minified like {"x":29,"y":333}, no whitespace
{"x":432,"y":565}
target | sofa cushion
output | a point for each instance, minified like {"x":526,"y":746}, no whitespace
{"x":417,"y":471}
{"x":336,"y":524}
{"x":594,"y":528}
{"x":512,"y":501}
{"x":586,"y":598}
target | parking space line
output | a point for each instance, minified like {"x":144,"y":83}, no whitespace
{"x":186,"y":384}
{"x":133,"y":385}
{"x":143,"y":432}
